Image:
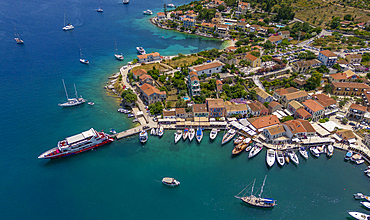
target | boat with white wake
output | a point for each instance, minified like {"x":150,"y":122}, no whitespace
{"x":78,"y":143}
{"x":255,"y":149}
{"x":270,"y":157}
{"x":228,"y":136}
{"x":280,"y":157}
{"x":178,"y":136}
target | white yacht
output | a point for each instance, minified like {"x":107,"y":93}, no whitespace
{"x":293,"y":156}
{"x":170,"y":5}
{"x":330,"y":151}
{"x":148,"y":12}
{"x":315,"y":151}
{"x":126,"y":1}
{"x":359,"y":196}
{"x":178,"y":136}
{"x":228,"y":136}
{"x":303,"y":152}
{"x":255,"y":150}
{"x":143,"y":136}
{"x":152,"y":131}
{"x":238,"y":140}
{"x":213,"y":133}
{"x":82,"y":60}
{"x":359,"y":215}
{"x":67,"y":27}
{"x":348,"y":155}
{"x":72,"y":101}
{"x":140,"y":50}
{"x":161,"y":131}
{"x":199,"y":135}
{"x":170,"y":181}
{"x":270,"y":157}
{"x":191,"y":134}
{"x":366,"y":204}
{"x":117,"y":55}
{"x":280,"y":157}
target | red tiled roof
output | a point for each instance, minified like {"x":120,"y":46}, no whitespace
{"x":251,"y":57}
{"x":265,"y":121}
{"x":139,"y":72}
{"x":149,"y":90}
{"x":328,"y":53}
{"x":303,"y":113}
{"x":207,"y":66}
{"x":314,"y":106}
{"x":358,"y":107}
{"x":350,"y":85}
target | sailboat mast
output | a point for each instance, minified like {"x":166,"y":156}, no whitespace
{"x":64,"y":19}
{"x":65,"y":88}
{"x":262,"y":186}
{"x":253,"y":187}
{"x":75,"y":90}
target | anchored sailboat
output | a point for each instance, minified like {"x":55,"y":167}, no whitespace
{"x":257,"y":201}
{"x":118,"y":56}
{"x":17,"y":38}
{"x":67,"y":27}
{"x":72,"y":101}
{"x":100,"y":9}
{"x":84,"y":61}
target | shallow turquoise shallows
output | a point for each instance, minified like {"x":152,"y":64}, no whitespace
{"x":123,"y":180}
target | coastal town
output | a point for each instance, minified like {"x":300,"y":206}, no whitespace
{"x":284,"y":85}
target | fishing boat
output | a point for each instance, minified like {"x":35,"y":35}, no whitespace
{"x":254,"y":200}
{"x":348,"y":155}
{"x":143,"y":136}
{"x":148,"y":12}
{"x":270,"y":157}
{"x":170,"y":5}
{"x":286,"y":157}
{"x":293,"y":156}
{"x":116,"y":54}
{"x":78,"y":143}
{"x":72,"y":101}
{"x":152,"y":131}
{"x":185,"y":134}
{"x":126,"y":1}
{"x":359,"y":215}
{"x":315,"y":151}
{"x":82,"y":60}
{"x":330,"y":151}
{"x":169,"y":181}
{"x":199,"y":134}
{"x":356,"y":157}
{"x":255,"y":150}
{"x":280,"y":157}
{"x":303,"y":152}
{"x":366,"y":204}
{"x":228,"y":136}
{"x":161,"y":131}
{"x":359,"y":196}
{"x":140,"y":50}
{"x":130,"y":115}
{"x":191,"y":134}
{"x":17,"y":37}
{"x":91,"y":103}
{"x":178,"y":136}
{"x":67,"y":27}
{"x":113,"y":131}
{"x":213,"y":133}
{"x":241,"y":146}
{"x":238,"y":139}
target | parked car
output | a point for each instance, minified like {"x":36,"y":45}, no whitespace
{"x":351,"y":123}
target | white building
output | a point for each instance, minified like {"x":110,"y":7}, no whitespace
{"x":208,"y":68}
{"x":145,"y":58}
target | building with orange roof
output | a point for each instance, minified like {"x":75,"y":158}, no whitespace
{"x":298,"y":128}
{"x":274,"y":106}
{"x":262,"y":95}
{"x":200,"y":110}
{"x":151,"y":57}
{"x":151,"y":95}
{"x":219,"y":85}
{"x":346,"y":76}
{"x":255,"y":61}
{"x":161,"y":16}
{"x":207,"y":68}
{"x":349,"y":88}
{"x":356,"y":111}
{"x":188,"y":22}
{"x":293,"y":106}
{"x":230,"y":49}
{"x":277,"y":134}
{"x":275,"y":39}
{"x":259,"y":123}
{"x":325,"y":101}
{"x":243,"y":7}
{"x":169,"y":114}
{"x":216,"y":107}
{"x":302,"y":114}
{"x":222,"y":29}
{"x":257,"y":109}
{"x":145,"y":78}
{"x":207,"y":27}
{"x":327,"y":57}
{"x":354,"y":58}
{"x":314,"y":108}
{"x":284,"y":34}
{"x":283,"y":91}
{"x":298,"y":96}
{"x":138,"y":72}
{"x":194,"y":84}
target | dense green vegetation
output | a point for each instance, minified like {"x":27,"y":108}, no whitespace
{"x":156,"y":108}
{"x":129,"y":96}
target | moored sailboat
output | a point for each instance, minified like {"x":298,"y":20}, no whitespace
{"x":255,"y":149}
{"x":17,"y":37}
{"x":116,"y":54}
{"x":228,"y":136}
{"x":191,"y":134}
{"x":293,"y":156}
{"x":257,"y":201}
{"x":178,"y":136}
{"x":82,"y":60}
{"x":67,"y":27}
{"x":303,"y":152}
{"x":280,"y":157}
{"x":161,"y":131}
{"x":185,"y":134}
{"x":72,"y":101}
{"x":213,"y":133}
{"x":199,"y":135}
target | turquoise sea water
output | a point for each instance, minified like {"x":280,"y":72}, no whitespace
{"x":122,"y":180}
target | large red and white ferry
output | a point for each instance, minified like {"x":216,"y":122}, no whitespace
{"x":77,"y":144}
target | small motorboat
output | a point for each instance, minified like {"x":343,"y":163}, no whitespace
{"x":293,"y":156}
{"x":160,"y":132}
{"x":361,"y":161}
{"x":170,"y":5}
{"x":280,"y":157}
{"x":113,"y":131}
{"x":238,"y":139}
{"x":143,"y":136}
{"x":199,"y":135}
{"x":178,"y":136}
{"x":359,"y":215}
{"x":213,"y":133}
{"x":270,"y":157}
{"x":185,"y":134}
{"x":303,"y":152}
{"x":156,"y":131}
{"x":84,"y":61}
{"x":330,"y":151}
{"x":130,"y":115}
{"x":348,"y":155}
{"x":168,"y":181}
{"x":91,"y":103}
{"x":152,"y":131}
{"x":148,"y":12}
{"x":191,"y":134}
{"x":120,"y":110}
{"x":248,"y":148}
{"x":356,"y":157}
{"x":135,"y":120}
{"x":359,"y":196}
{"x":315,"y":151}
{"x":366,"y":204}
{"x":286,"y":157}
{"x":255,"y":150}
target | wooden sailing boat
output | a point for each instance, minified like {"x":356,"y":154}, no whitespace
{"x":257,"y":201}
{"x":241,"y":146}
{"x":17,"y":38}
{"x":118,"y":56}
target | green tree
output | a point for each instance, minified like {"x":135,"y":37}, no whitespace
{"x":328,"y":88}
{"x":344,"y":121}
{"x":342,"y":103}
{"x":286,"y":118}
{"x":314,"y":81}
{"x":221,"y":8}
{"x":266,"y":104}
{"x":181,"y":103}
{"x":169,"y":104}
{"x":348,"y":17}
{"x":156,"y":108}
{"x":252,"y":94}
{"x":129,"y":96}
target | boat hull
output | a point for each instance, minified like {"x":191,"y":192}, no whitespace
{"x":76,"y":152}
{"x":257,"y":202}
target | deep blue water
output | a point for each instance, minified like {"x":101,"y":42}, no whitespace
{"x":122,"y":180}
